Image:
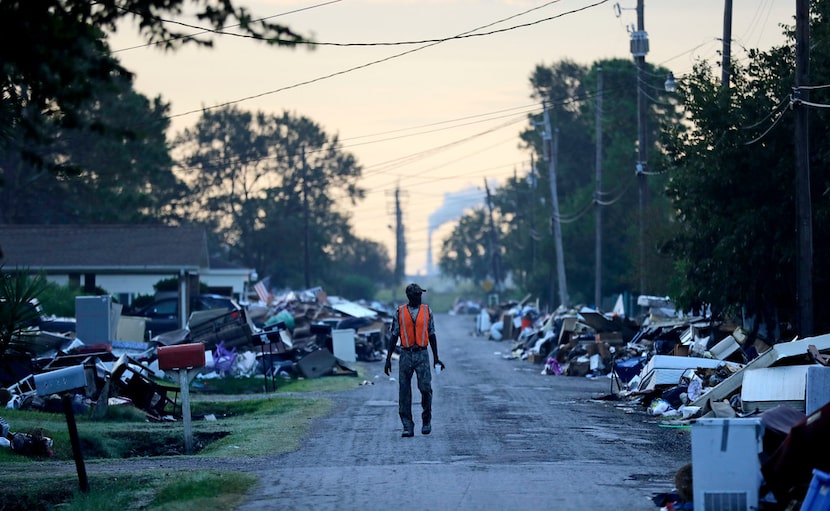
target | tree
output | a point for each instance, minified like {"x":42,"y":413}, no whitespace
{"x":272,"y":190}
{"x":358,"y":268}
{"x":121,"y":175}
{"x":465,"y":253}
{"x":523,"y":203}
{"x":732,"y":185}
{"x":54,"y":56}
{"x":17,"y":292}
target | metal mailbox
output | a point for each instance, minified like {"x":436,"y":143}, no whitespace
{"x":181,"y":356}
{"x":61,"y":380}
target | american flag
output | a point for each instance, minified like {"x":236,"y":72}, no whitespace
{"x":261,"y":291}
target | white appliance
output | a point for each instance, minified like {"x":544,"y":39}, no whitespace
{"x":726,"y":469}
{"x":96,"y":319}
{"x":343,"y":344}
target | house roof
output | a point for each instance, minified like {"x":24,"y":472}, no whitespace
{"x":101,"y":248}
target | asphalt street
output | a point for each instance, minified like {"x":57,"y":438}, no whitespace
{"x":504,"y":437}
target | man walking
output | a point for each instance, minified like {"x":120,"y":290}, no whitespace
{"x":414,"y":325}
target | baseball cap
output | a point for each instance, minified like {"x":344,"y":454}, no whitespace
{"x":414,"y":289}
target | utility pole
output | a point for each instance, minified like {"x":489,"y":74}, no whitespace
{"x":306,"y":229}
{"x":639,"y":49}
{"x":552,"y":138}
{"x":598,"y":196}
{"x":400,"y":241}
{"x":804,"y":208}
{"x":531,"y":209}
{"x":495,"y":251}
{"x":726,"y":67}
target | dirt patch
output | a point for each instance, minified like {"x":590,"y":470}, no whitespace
{"x":142,"y":444}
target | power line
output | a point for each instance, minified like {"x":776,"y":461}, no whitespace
{"x":465,"y":35}
{"x":470,"y":35}
{"x":529,"y":108}
{"x":204,"y":30}
{"x":619,"y":194}
{"x":397,"y":162}
{"x":811,"y":87}
{"x":775,"y":111}
{"x":814,"y":105}
{"x":764,"y":134}
{"x":342,"y":146}
{"x":368,"y":64}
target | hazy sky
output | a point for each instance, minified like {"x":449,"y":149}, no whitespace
{"x":442,"y":118}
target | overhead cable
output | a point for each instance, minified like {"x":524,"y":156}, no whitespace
{"x":363,"y":66}
{"x":205,"y":30}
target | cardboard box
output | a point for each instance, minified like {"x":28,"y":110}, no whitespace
{"x":680,"y":350}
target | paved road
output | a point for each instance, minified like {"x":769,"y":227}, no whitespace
{"x":505,"y":437}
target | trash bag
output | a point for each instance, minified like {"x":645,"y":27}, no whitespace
{"x":674,"y":396}
{"x":659,"y":407}
{"x":552,"y":366}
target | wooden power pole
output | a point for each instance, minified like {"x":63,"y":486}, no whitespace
{"x":804,"y":208}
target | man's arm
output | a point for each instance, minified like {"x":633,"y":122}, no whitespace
{"x":390,"y":345}
{"x":390,"y":348}
{"x":433,"y":342}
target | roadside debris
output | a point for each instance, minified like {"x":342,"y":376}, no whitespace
{"x":304,"y":334}
{"x":768,"y":397}
{"x":764,"y":401}
{"x":34,"y":444}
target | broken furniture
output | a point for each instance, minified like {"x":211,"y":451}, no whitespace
{"x":133,"y":380}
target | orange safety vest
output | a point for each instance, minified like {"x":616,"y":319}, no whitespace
{"x":414,"y":331}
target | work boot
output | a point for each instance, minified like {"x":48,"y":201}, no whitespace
{"x":426,"y":429}
{"x":407,"y":433}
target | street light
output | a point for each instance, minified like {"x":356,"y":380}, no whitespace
{"x":671,"y":83}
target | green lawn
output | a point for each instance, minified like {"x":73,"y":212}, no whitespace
{"x":231,"y":418}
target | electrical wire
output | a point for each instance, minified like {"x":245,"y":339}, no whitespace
{"x":469,"y":35}
{"x":342,"y":146}
{"x":203,"y":30}
{"x":620,"y":193}
{"x":397,"y":162}
{"x":775,"y":111}
{"x":655,"y":100}
{"x":773,"y":125}
{"x":363,"y":66}
{"x":530,"y":108}
{"x":811,"y":104}
{"x":569,"y":219}
{"x":811,"y":87}
{"x":466,"y":35}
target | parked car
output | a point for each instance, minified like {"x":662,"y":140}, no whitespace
{"x":163,"y":313}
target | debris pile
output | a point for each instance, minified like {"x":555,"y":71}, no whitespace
{"x":304,"y":334}
{"x":764,"y":401}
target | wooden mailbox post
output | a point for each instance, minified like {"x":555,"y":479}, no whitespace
{"x":62,"y":381}
{"x":183,"y":358}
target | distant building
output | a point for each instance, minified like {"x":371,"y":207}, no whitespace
{"x":125,"y":260}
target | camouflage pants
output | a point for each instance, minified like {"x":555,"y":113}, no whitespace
{"x":414,"y":362}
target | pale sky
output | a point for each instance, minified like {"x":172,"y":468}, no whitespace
{"x":439,"y":121}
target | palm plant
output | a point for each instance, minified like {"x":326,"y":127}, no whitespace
{"x":18,"y":303}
